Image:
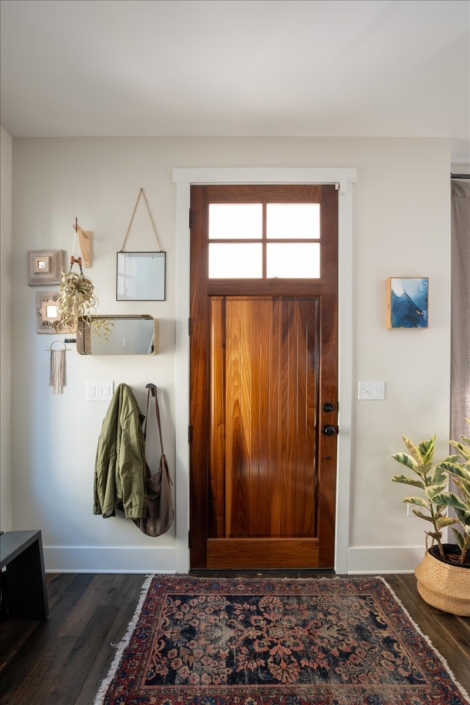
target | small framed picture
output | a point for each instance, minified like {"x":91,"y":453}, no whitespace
{"x":408,"y":302}
{"x":45,"y":267}
{"x":47,"y":314}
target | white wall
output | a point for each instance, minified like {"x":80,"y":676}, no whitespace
{"x":6,"y":499}
{"x":402,"y":227}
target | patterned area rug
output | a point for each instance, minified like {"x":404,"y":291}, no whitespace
{"x":203,"y":641}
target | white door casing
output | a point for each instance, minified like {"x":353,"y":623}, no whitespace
{"x":344,"y":178}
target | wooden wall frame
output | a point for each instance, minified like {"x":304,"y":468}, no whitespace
{"x":45,"y":267}
{"x":47,"y":318}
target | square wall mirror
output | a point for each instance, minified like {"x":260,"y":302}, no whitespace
{"x":140,"y":276}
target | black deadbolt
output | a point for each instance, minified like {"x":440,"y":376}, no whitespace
{"x":328,"y":406}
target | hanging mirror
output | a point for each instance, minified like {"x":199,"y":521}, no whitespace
{"x":140,"y":276}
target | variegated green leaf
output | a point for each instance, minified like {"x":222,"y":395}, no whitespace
{"x":426,"y":449}
{"x":462,"y":516}
{"x":450,"y":459}
{"x":450,"y":499}
{"x":463,"y":450}
{"x":415,"y":500}
{"x":461,"y":476}
{"x":408,"y":481}
{"x":458,"y":470}
{"x":413,"y":450}
{"x":435,"y":535}
{"x":445,"y":521}
{"x":419,"y":514}
{"x":438,"y":475}
{"x":459,"y":538}
{"x":407,"y":460}
{"x":434,"y":490}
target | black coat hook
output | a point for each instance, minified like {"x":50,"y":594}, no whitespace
{"x":152,"y":388}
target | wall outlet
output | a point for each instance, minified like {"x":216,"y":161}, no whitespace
{"x":409,"y":510}
{"x":99,"y":391}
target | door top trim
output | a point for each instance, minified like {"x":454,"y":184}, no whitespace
{"x":344,"y":176}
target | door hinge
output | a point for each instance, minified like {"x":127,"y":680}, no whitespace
{"x":189,"y":539}
{"x":190,"y":219}
{"x":190,"y":434}
{"x":190,"y":326}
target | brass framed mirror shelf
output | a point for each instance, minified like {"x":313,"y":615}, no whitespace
{"x":118,"y":335}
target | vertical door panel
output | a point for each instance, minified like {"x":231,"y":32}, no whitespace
{"x":264,"y":376}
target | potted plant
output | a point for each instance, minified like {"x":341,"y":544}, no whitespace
{"x":444,"y":574}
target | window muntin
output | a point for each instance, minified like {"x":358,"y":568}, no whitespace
{"x":264,"y":241}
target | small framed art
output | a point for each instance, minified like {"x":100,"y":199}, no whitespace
{"x":45,"y":267}
{"x":47,"y":314}
{"x":408,"y":302}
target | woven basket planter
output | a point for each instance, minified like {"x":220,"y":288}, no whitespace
{"x":444,"y":585}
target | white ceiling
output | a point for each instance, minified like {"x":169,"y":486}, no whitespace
{"x":237,"y":67}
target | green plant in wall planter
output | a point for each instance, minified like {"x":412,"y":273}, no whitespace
{"x":444,"y":574}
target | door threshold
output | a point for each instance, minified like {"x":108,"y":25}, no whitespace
{"x":271,"y":573}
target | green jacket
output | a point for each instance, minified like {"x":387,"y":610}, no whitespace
{"x":120,"y":459}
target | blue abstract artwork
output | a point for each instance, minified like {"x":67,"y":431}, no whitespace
{"x":408,"y":302}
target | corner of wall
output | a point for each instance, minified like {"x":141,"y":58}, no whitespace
{"x":6,"y":518}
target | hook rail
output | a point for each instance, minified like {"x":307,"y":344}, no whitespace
{"x":58,"y":341}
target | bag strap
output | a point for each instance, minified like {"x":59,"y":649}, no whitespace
{"x":141,"y":193}
{"x":157,"y":413}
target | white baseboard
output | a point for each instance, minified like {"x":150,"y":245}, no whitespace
{"x":140,"y":559}
{"x":116,"y":559}
{"x":384,"y":559}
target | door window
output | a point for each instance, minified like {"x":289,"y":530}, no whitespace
{"x":241,"y":235}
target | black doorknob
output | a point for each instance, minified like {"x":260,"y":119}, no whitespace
{"x":330,"y":430}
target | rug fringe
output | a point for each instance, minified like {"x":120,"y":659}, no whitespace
{"x":426,"y":638}
{"x":100,"y":696}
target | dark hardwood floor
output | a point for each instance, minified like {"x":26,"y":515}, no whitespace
{"x":62,"y":660}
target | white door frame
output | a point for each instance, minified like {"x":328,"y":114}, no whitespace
{"x":343,"y":178}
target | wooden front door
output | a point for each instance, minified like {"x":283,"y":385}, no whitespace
{"x":263,"y":376}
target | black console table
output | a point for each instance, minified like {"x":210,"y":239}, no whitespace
{"x":21,"y":554}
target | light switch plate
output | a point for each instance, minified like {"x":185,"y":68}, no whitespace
{"x":371,"y":391}
{"x":99,"y":391}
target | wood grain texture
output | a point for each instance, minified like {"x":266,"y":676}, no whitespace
{"x":264,"y":395}
{"x":199,"y":382}
{"x":217,"y":415}
{"x":261,"y":553}
{"x":263,"y":362}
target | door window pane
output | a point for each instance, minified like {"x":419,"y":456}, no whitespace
{"x":235,"y":221}
{"x":235,"y":261}
{"x":293,"y":221}
{"x":293,"y":261}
